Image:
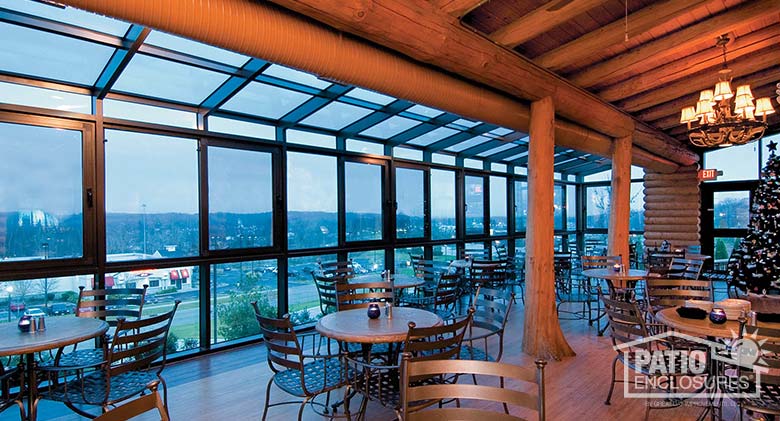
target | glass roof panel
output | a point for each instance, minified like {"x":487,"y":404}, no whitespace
{"x":518,"y":156}
{"x":497,"y":149}
{"x":194,"y":48}
{"x":370,"y":96}
{"x":42,"y":54}
{"x":501,"y":131}
{"x":336,"y":116}
{"x":265,"y":100}
{"x":47,"y":98}
{"x":425,"y":111}
{"x":462,"y":122}
{"x":296,"y":76}
{"x":164,"y":79}
{"x":149,"y":113}
{"x":69,"y":15}
{"x":390,"y":127}
{"x":462,"y":146}
{"x":432,"y":136}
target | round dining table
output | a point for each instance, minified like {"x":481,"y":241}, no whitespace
{"x":355,"y":326}
{"x":60,"y":332}
{"x":616,"y":279}
{"x":703,"y":327}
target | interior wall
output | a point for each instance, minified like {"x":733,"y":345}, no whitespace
{"x":673,"y":207}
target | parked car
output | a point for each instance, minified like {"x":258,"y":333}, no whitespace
{"x":17,"y":306}
{"x":57,"y":309}
{"x":151,"y":299}
{"x":34,"y":312}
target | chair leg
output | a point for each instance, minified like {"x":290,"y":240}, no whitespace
{"x":612,"y":384}
{"x":165,"y":395}
{"x":161,"y":408}
{"x":267,"y":397}
{"x":300,"y":410}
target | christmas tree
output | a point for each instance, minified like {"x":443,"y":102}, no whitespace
{"x":759,"y":266}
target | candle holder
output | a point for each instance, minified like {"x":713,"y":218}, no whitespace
{"x":373,"y":311}
{"x":718,"y":316}
{"x":616,"y":267}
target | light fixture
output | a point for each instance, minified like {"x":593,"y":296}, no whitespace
{"x":713,"y":121}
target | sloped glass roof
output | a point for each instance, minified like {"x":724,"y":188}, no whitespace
{"x":75,"y":48}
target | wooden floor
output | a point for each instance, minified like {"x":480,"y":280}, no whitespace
{"x":231,"y":385}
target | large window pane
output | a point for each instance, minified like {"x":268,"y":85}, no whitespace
{"x":234,"y":287}
{"x":498,"y":220}
{"x":410,"y":200}
{"x":312,"y":211}
{"x":372,"y":261}
{"x":637,"y":221}
{"x":363,"y":196}
{"x":736,"y":162}
{"x":521,"y":205}
{"x":723,"y":248}
{"x":304,"y":302}
{"x":475,"y":205}
{"x":54,"y":296}
{"x":40,"y":193}
{"x":442,"y":204}
{"x":403,"y":259}
{"x":445,"y":252}
{"x":597,"y":206}
{"x":558,"y":205}
{"x":151,"y":196}
{"x":240,"y":198}
{"x":731,"y":209}
{"x":166,"y":286}
{"x":571,"y":208}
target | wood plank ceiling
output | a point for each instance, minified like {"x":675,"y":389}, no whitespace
{"x":668,"y":57}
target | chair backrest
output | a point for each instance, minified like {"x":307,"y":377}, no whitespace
{"x":351,"y":295}
{"x":326,"y":290}
{"x":626,"y":323}
{"x":447,"y":292}
{"x":500,"y":249}
{"x":136,"y":344}
{"x":415,"y":392}
{"x":135,"y":408}
{"x":663,"y":293}
{"x":600,"y":262}
{"x":437,"y":342}
{"x":475,"y":253}
{"x":685,"y":268}
{"x":491,"y":314}
{"x":111,"y":304}
{"x":340,"y":269}
{"x":491,"y":273}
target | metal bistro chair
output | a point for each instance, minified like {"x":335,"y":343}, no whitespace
{"x":343,"y":269}
{"x":10,"y":377}
{"x":326,"y":290}
{"x":303,"y":375}
{"x":350,"y":295}
{"x":379,"y":381}
{"x":665,"y":293}
{"x":415,"y":391}
{"x":684,"y":268}
{"x":767,"y":383}
{"x":628,"y":327}
{"x":596,"y":262}
{"x":127,"y":371}
{"x":110,"y":305}
{"x":491,"y":313}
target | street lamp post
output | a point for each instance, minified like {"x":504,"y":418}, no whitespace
{"x":143,"y":215}
{"x":9,"y":289}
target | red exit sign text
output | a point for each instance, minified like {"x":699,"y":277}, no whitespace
{"x":709,"y":174}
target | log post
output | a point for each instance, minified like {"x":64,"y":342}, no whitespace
{"x":542,"y":335}
{"x":620,"y":198}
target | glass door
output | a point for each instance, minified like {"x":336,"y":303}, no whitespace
{"x":725,"y":217}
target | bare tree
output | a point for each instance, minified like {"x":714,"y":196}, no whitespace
{"x":45,"y":286}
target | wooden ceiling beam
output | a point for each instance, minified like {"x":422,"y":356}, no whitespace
{"x":457,"y":8}
{"x":704,"y":80}
{"x":623,"y":65}
{"x":541,"y":20}
{"x":581,"y":49}
{"x":678,"y":69}
{"x":421,"y":31}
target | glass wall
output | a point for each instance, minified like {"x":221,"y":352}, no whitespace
{"x":304,"y":301}
{"x":312,"y":201}
{"x":498,"y":194}
{"x":475,"y":205}
{"x":442,"y":204}
{"x":521,"y":205}
{"x":363,"y":197}
{"x":410,"y":202}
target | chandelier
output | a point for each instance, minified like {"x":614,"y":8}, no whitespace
{"x":713,"y":122}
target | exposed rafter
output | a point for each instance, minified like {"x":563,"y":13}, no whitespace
{"x":457,"y":8}
{"x":135,"y":37}
{"x":542,"y":19}
{"x":235,"y":83}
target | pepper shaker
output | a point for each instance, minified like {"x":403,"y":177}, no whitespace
{"x":41,"y":323}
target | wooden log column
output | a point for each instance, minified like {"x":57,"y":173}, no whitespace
{"x":672,"y":208}
{"x":620,"y":198}
{"x":542,"y":335}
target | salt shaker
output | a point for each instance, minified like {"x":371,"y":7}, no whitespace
{"x":751,"y":318}
{"x":389,"y":309}
{"x":41,"y":324}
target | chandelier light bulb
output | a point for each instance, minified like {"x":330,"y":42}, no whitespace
{"x":723,"y":90}
{"x":764,"y":107}
{"x":744,"y":90}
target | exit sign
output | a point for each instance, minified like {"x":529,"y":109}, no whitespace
{"x":709,"y":174}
